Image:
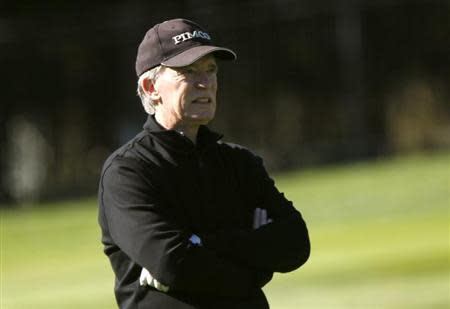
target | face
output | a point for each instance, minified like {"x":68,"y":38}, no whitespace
{"x":187,"y":95}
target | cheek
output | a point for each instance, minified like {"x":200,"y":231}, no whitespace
{"x":180,"y":100}
{"x":165,"y":92}
{"x":182,"y":95}
{"x":174,"y":96}
{"x":214,"y":84}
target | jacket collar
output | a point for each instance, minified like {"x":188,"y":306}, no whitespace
{"x":177,"y":142}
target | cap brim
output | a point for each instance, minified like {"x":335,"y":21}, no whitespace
{"x":193,"y":54}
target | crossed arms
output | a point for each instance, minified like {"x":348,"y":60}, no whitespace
{"x":230,"y":263}
{"x":260,"y":218}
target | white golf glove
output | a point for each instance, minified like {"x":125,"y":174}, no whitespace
{"x":146,"y":278}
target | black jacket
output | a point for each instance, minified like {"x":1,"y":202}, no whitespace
{"x":160,"y":188}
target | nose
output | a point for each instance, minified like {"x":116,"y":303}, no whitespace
{"x":203,"y":81}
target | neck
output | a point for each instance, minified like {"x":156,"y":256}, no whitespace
{"x":188,"y":130}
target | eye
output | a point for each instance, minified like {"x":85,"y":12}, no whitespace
{"x":188,"y":70}
{"x":184,"y":71}
{"x":212,"y":70}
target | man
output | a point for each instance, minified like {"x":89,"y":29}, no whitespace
{"x":189,"y":221}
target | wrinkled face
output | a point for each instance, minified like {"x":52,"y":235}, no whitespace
{"x":187,"y":95}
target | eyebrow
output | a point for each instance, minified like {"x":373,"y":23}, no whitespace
{"x":210,"y":66}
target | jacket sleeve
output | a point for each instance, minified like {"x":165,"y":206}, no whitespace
{"x":280,"y":246}
{"x":152,"y":234}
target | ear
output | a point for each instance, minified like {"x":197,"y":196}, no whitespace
{"x":149,"y":87}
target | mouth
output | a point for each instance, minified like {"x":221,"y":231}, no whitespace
{"x":202,"y":100}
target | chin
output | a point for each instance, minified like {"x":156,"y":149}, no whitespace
{"x":201,"y":119}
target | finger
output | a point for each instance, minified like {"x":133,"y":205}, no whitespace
{"x":164,"y":288}
{"x":157,"y":284}
{"x":256,"y":218}
{"x":150,"y":279}
{"x":263,"y":217}
{"x":161,"y":287}
{"x":142,"y":280}
{"x":143,"y":277}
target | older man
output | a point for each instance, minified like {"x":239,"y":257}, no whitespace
{"x":189,"y":221}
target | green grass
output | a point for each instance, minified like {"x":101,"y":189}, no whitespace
{"x":379,"y":233}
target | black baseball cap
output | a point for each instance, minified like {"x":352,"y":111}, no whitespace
{"x":177,"y":43}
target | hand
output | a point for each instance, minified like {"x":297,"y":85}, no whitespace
{"x":260,"y":218}
{"x":147,"y":279}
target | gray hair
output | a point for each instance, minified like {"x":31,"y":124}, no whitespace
{"x":147,"y":102}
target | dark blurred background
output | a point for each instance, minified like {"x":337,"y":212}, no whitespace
{"x":316,"y":82}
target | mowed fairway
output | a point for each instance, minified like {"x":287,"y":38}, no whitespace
{"x":379,"y":233}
